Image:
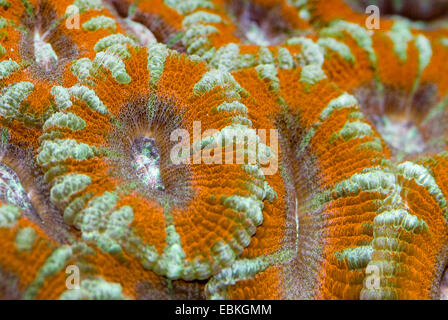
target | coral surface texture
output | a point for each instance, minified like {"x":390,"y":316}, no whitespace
{"x":223,"y":149}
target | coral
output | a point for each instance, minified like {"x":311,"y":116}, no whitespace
{"x":222,"y":149}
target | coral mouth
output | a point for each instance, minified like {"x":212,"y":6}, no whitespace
{"x":140,"y":151}
{"x":138,"y":20}
{"x":403,"y":136}
{"x":405,"y":121}
{"x":146,"y":156}
{"x":259,"y":25}
{"x":44,"y":42}
{"x":11,"y":190}
{"x":22,"y":184}
{"x":299,"y":173}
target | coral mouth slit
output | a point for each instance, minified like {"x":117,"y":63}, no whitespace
{"x":22,"y":185}
{"x":11,"y":190}
{"x":130,"y":14}
{"x":406,"y":122}
{"x":140,"y":150}
{"x":258,"y":25}
{"x":146,"y":156}
{"x":401,"y":134}
{"x":300,"y":233}
{"x":44,"y":42}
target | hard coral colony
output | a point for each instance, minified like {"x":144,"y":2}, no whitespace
{"x":92,"y":91}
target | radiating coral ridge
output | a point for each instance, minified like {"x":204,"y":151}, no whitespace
{"x":223,"y":149}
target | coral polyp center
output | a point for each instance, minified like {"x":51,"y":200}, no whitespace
{"x":402,"y":135}
{"x":44,"y":53}
{"x":146,"y":162}
{"x":11,"y":189}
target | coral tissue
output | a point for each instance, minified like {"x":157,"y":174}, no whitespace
{"x":223,"y":149}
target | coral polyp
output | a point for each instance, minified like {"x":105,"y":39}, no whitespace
{"x":223,"y":149}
